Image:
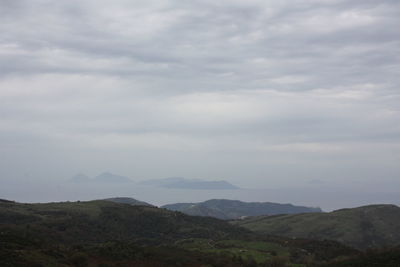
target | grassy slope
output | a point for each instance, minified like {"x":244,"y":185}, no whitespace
{"x":363,"y":227}
{"x":260,"y":251}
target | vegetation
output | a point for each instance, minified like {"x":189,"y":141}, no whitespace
{"x":128,"y":200}
{"x":371,"y":258}
{"x":101,"y":221}
{"x":104,"y":233}
{"x":364,"y":227}
{"x":233,"y":209}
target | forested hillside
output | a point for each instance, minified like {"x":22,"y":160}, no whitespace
{"x":365,"y":227}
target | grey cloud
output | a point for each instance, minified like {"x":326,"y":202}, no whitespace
{"x":256,"y":83}
{"x":197,"y":42}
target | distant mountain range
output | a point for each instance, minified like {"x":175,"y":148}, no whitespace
{"x":183,"y":183}
{"x":363,"y":227}
{"x":233,"y":209}
{"x":105,"y":177}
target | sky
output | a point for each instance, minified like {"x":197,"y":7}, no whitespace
{"x":264,"y":94}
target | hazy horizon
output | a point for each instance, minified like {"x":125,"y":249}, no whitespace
{"x":314,"y":194}
{"x":275,"y":97}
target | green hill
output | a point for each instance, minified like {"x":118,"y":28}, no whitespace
{"x":99,"y":221}
{"x":105,"y":233}
{"x":233,"y":209}
{"x":127,"y":200}
{"x":364,"y":227}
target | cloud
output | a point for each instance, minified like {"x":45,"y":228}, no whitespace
{"x":247,"y":81}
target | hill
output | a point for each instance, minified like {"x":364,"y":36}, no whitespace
{"x":195,"y":184}
{"x":363,"y":227}
{"x":233,"y":209}
{"x":105,"y":233}
{"x":128,"y":200}
{"x":75,"y":222}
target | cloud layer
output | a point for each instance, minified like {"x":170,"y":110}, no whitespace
{"x":254,"y":91}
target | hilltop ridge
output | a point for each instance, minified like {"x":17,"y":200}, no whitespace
{"x":233,"y":209}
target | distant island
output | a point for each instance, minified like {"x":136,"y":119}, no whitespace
{"x":195,"y":184}
{"x":171,"y":182}
{"x":105,"y":177}
{"x":226,"y":209}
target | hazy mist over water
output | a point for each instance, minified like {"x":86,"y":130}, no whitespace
{"x":326,"y":198}
{"x":296,"y":101}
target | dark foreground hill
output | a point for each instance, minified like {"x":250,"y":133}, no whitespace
{"x":364,"y":227}
{"x":233,"y":209}
{"x":104,"y":233}
{"x":389,"y":257}
{"x":100,"y":221}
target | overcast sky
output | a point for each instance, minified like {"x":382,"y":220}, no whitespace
{"x":259,"y":93}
